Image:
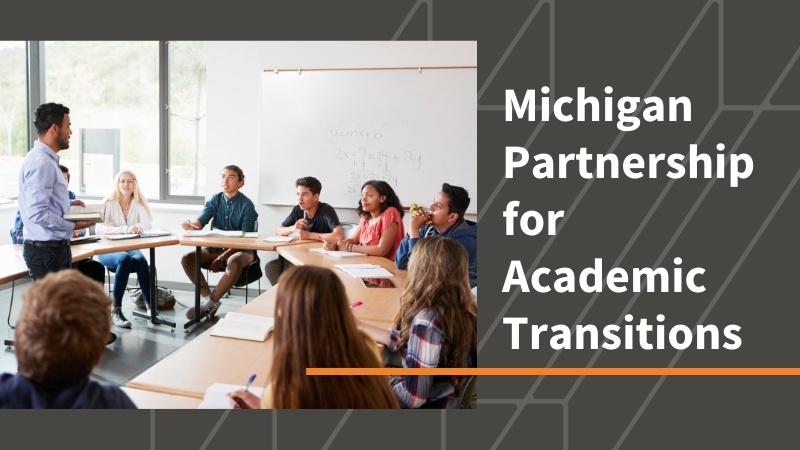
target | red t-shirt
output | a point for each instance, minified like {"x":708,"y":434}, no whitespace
{"x":371,"y":234}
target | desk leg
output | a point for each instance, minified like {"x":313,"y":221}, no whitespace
{"x":154,"y":297}
{"x":197,"y":274}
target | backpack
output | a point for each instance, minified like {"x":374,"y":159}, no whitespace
{"x":164,"y":298}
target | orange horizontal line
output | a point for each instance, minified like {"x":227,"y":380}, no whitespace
{"x":566,"y":371}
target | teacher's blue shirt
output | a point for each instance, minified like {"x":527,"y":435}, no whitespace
{"x":43,"y":196}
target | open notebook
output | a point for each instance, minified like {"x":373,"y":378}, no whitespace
{"x":244,"y":326}
{"x":216,"y":395}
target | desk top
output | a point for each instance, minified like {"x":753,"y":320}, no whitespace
{"x":158,"y":400}
{"x":14,"y":267}
{"x":206,"y":360}
{"x":122,"y":245}
{"x":239,"y":243}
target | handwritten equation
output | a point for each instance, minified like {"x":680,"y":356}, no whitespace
{"x":365,"y":155}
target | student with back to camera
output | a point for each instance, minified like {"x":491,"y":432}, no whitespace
{"x":438,"y":324}
{"x":60,"y":338}
{"x":314,"y":327}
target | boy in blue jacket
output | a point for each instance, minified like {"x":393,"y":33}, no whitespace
{"x":445,"y":218}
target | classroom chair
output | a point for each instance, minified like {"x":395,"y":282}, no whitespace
{"x":249,"y":274}
{"x":349,"y":229}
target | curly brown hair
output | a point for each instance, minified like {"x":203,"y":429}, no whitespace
{"x":63,"y":328}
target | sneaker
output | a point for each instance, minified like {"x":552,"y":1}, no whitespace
{"x":111,"y":339}
{"x":207,"y":307}
{"x":119,"y":320}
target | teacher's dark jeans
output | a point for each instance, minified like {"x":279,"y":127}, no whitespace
{"x":43,"y":257}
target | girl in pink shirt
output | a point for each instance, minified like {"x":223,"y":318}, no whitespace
{"x":380,"y":229}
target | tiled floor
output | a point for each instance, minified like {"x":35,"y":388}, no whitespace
{"x":135,"y":349}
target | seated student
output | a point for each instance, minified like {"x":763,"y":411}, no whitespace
{"x":380,"y":228}
{"x":314,"y":327}
{"x":60,"y":337}
{"x":445,"y":218}
{"x":231,"y":210}
{"x":126,"y":212}
{"x":438,"y":324}
{"x":310,"y":219}
{"x":88,"y":267}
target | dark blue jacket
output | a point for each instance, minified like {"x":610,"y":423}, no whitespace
{"x":465,"y":232}
{"x":16,"y":391}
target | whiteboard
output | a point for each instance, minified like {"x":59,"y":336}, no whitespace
{"x":415,"y":129}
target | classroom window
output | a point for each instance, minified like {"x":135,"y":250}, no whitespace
{"x":187,"y":118}
{"x":132,"y":106}
{"x":111,"y":89}
{"x":13,"y":115}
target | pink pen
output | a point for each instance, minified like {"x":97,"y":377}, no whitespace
{"x":356,"y":304}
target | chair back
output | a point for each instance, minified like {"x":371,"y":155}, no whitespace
{"x":467,"y":389}
{"x":349,"y":229}
{"x":250,"y":273}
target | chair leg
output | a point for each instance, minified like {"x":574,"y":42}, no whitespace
{"x":10,"y":304}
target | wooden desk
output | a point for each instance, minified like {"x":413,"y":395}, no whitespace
{"x":157,"y":400}
{"x":224,"y":242}
{"x":206,"y":360}
{"x":104,"y":246}
{"x":380,"y":305}
{"x":14,"y":268}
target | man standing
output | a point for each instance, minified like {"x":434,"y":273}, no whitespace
{"x":44,"y":197}
{"x":309,"y":219}
{"x":445,"y":218}
{"x":88,"y":267}
{"x":230,"y":210}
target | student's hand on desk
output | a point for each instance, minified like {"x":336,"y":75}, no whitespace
{"x":248,"y":400}
{"x":329,"y":245}
{"x":303,"y":234}
{"x":135,"y":229}
{"x":188,"y":225}
{"x":77,"y":203}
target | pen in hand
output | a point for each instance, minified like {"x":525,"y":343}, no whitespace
{"x":238,"y":400}
{"x":189,"y":222}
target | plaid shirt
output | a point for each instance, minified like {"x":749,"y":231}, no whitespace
{"x":426,"y":347}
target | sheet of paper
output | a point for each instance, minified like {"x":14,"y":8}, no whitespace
{"x":216,"y":395}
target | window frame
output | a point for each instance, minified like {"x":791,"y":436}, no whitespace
{"x":35,"y":51}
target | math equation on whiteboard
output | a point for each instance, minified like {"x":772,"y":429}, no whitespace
{"x":365,"y":164}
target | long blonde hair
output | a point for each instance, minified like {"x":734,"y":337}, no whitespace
{"x":438,"y":280}
{"x":314,"y":327}
{"x":138,"y":197}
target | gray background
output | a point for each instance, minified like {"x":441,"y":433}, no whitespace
{"x":736,"y":60}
